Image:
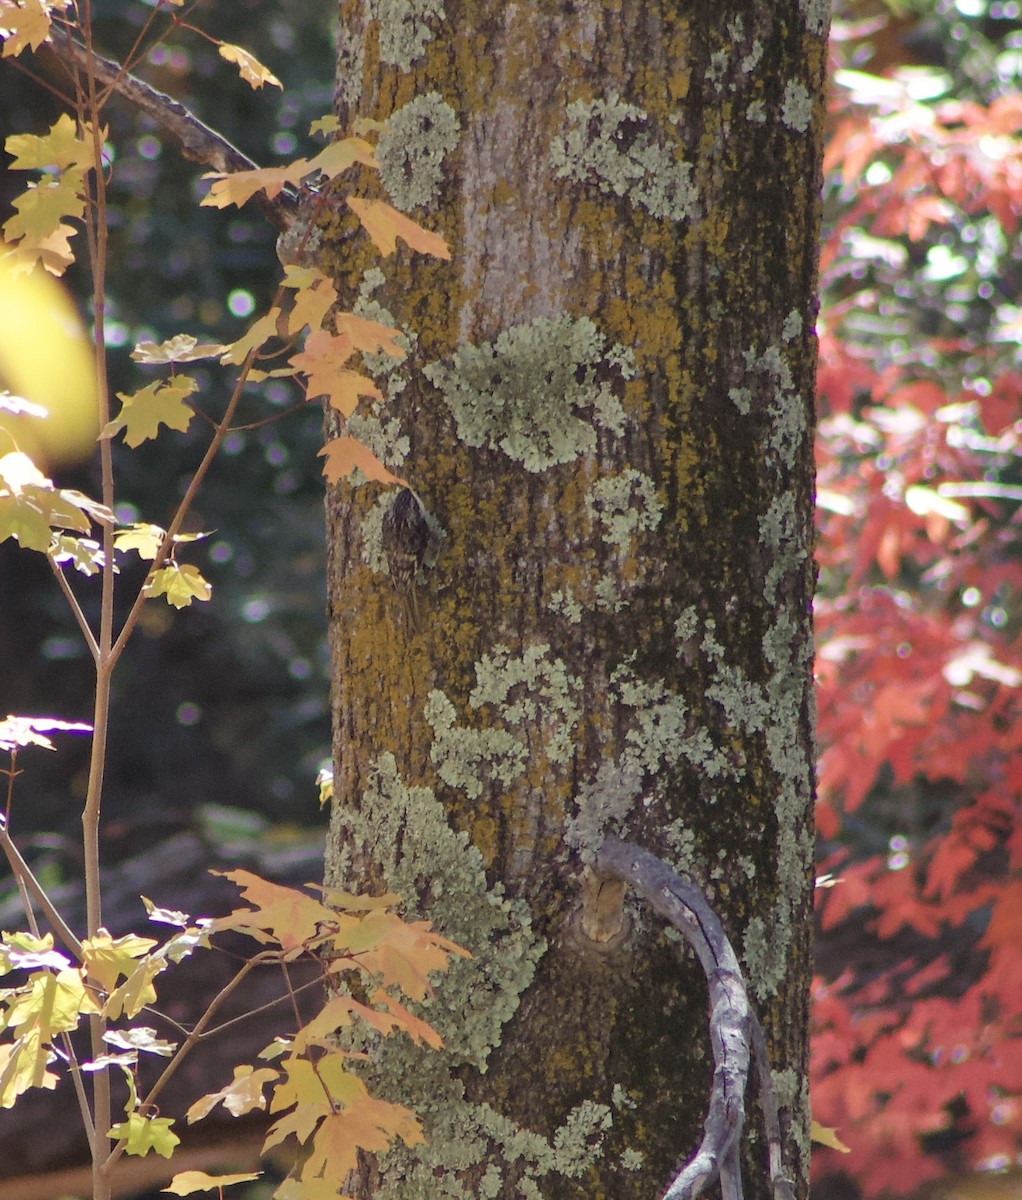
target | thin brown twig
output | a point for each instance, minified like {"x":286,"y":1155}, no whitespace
{"x":76,"y":609}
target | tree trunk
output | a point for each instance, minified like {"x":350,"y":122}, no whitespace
{"x":607,"y":410}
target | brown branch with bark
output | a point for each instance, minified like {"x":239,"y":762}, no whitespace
{"x":197,"y":142}
{"x":736,"y":1035}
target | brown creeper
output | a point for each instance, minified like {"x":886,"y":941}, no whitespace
{"x":406,"y":537}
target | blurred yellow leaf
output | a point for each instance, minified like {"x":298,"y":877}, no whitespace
{"x":45,"y":357}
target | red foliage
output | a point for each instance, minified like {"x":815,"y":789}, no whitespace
{"x":917,"y":1050}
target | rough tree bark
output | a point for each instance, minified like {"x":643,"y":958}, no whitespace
{"x":607,"y":408}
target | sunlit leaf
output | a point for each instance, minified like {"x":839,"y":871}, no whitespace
{"x":243,"y":1094}
{"x":181,"y":348}
{"x":31,"y":731}
{"x":139,"y":1037}
{"x":250,"y":68}
{"x":826,"y":1136}
{"x":181,"y":583}
{"x":185,"y":1183}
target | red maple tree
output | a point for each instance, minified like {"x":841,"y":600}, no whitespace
{"x":917,"y":1051}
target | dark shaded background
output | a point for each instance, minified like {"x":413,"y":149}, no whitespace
{"x":226,"y":701}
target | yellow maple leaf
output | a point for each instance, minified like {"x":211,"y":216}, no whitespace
{"x":321,"y":360}
{"x":282,"y":914}
{"x":325,"y":125}
{"x":25,"y":24}
{"x":142,"y":538}
{"x":385,"y":225}
{"x":106,"y":959}
{"x":249,"y":67}
{"x":23,"y":1066}
{"x":402,"y":952}
{"x":315,"y":295}
{"x":61,"y":147}
{"x":136,"y":991}
{"x":825,"y":1135}
{"x":180,"y":348}
{"x":369,"y":1125}
{"x":259,"y":332}
{"x":336,"y":158}
{"x":142,"y":1134}
{"x":51,"y":1002}
{"x":186,"y":1182}
{"x":143,"y":412}
{"x":181,"y":583}
{"x":240,"y":186}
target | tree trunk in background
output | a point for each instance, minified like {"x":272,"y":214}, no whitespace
{"x":607,"y":407}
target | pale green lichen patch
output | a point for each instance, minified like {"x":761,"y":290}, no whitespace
{"x":373,"y":554}
{"x":407,"y":831}
{"x":538,"y":393}
{"x":533,"y":692}
{"x":772,"y":709}
{"x":623,"y":506}
{"x":603,"y":806}
{"x":521,"y":698}
{"x":412,"y":148}
{"x":663,"y":730}
{"x":579,"y":1140}
{"x":785,"y":407}
{"x":797,"y":106}
{"x":632,"y":1160}
{"x":405,"y":28}
{"x":380,"y":434}
{"x":610,"y":144}
{"x":744,"y":703}
{"x":467,"y":758}
{"x":816,"y":14}
{"x":565,"y":603}
{"x":742,"y":398}
{"x":465,"y":1137}
{"x":607,"y":595}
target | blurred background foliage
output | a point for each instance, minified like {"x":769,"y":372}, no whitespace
{"x":917,"y":1046}
{"x":225,"y":702}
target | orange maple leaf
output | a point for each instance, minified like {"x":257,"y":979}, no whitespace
{"x":385,"y":225}
{"x":344,"y":454}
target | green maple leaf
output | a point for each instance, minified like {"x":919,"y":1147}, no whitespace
{"x":180,"y":583}
{"x":144,"y":411}
{"x":20,"y":519}
{"x":143,"y":1134}
{"x":61,"y":147}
